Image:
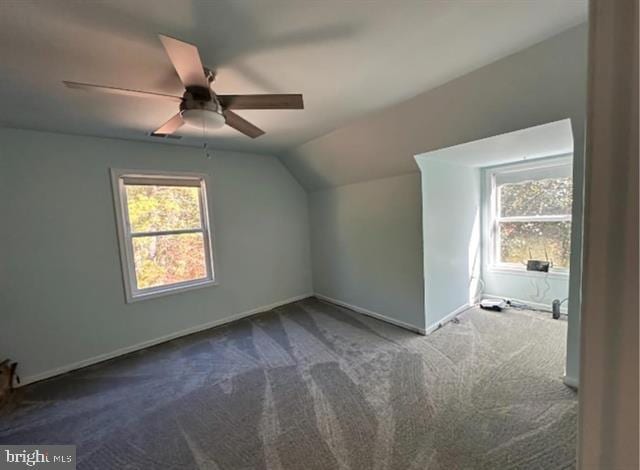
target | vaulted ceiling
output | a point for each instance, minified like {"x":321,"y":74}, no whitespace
{"x":347,"y":58}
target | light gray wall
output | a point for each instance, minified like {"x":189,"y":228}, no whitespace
{"x":367,"y":246}
{"x":62,"y":298}
{"x":451,"y":236}
{"x":529,"y":288}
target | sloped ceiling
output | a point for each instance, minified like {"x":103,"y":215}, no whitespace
{"x":349,"y":58}
{"x":541,"y":84}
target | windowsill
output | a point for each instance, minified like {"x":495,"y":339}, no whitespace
{"x":171,"y":290}
{"x":517,"y":271}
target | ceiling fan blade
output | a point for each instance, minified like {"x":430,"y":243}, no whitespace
{"x":186,"y":60}
{"x":242,"y":125}
{"x":170,"y":126}
{"x":277,"y":101}
{"x":119,"y":91}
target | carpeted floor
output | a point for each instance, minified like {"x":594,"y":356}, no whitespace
{"x":313,"y":386}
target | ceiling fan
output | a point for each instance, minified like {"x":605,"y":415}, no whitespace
{"x":200,"y":106}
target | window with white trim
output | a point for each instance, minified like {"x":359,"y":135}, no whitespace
{"x":163,"y":229}
{"x":529,"y":214}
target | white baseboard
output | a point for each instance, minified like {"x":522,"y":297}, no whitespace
{"x":447,"y":318}
{"x":536,"y":305}
{"x":570,"y":382}
{"x":369,"y":313}
{"x":152,"y":342}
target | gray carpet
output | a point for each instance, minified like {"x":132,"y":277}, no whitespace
{"x":313,"y":386}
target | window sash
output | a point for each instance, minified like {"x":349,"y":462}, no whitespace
{"x":122,"y":178}
{"x":558,"y":168}
{"x":174,"y":285}
{"x":497,"y":245}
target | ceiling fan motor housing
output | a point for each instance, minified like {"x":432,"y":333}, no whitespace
{"x":201,"y":107}
{"x":196,"y":97}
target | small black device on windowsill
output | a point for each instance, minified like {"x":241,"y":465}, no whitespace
{"x":538,"y":265}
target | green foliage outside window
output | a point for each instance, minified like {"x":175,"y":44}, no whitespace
{"x":170,"y":258}
{"x":520,"y":241}
{"x":544,"y":239}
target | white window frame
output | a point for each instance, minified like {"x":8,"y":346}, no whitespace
{"x":119,"y":178}
{"x":491,"y":233}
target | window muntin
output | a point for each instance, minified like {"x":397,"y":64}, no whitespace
{"x":164,"y":232}
{"x":530,"y":217}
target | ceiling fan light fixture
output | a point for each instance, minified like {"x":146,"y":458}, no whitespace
{"x":203,"y":117}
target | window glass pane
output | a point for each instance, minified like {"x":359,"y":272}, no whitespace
{"x":539,"y":197}
{"x":169,"y":259}
{"x":517,"y":238}
{"x":153,"y":208}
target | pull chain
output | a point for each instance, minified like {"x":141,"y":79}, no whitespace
{"x":204,"y":142}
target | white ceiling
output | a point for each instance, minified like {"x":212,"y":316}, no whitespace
{"x":348,"y":58}
{"x":546,"y":140}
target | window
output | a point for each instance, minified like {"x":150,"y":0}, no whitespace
{"x":163,"y":229}
{"x":529,"y":214}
